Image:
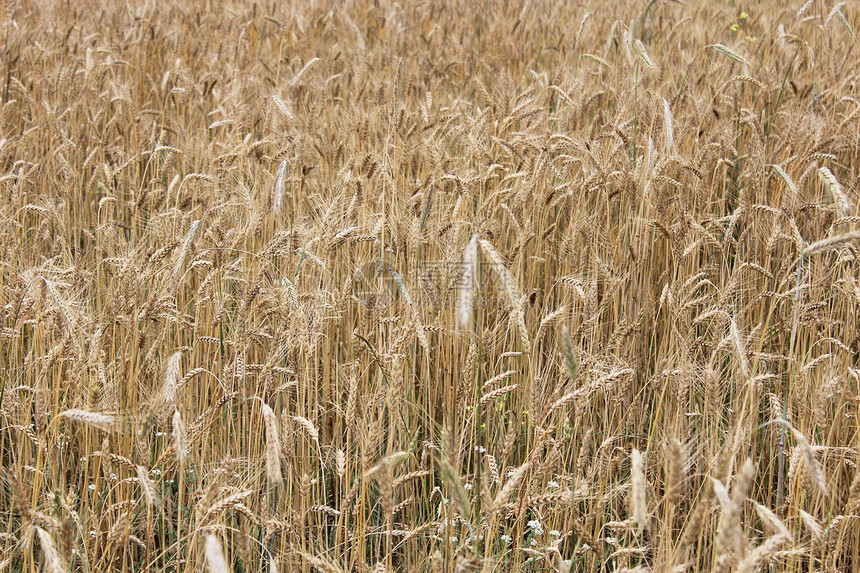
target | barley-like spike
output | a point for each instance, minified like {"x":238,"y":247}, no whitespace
{"x":467,"y":286}
{"x":273,"y":446}
{"x":215,"y":555}
{"x":489,"y":396}
{"x":186,"y":247}
{"x":740,"y":351}
{"x":830,"y":243}
{"x":789,"y":182}
{"x":320,"y":564}
{"x":496,"y":379}
{"x":815,"y":473}
{"x":811,"y":524}
{"x":726,"y":51}
{"x":180,"y":438}
{"x":53,"y":560}
{"x":146,"y":486}
{"x":668,"y":126}
{"x":100,"y":420}
{"x":570,"y":362}
{"x":172,"y":377}
{"x":770,"y":519}
{"x":675,"y":472}
{"x":278,"y":194}
{"x":509,"y":487}
{"x":832,"y":185}
{"x":638,"y":503}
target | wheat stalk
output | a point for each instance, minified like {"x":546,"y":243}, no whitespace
{"x":182,"y":222}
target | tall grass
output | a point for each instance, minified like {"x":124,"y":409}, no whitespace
{"x":441,"y":286}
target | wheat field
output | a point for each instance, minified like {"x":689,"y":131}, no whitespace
{"x":456,"y":286}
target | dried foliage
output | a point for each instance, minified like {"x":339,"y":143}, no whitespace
{"x":429,"y":286}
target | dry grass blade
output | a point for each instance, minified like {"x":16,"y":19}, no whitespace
{"x":511,"y":294}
